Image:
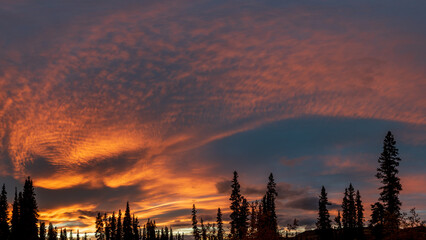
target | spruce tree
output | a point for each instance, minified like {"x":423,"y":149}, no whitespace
{"x":99,"y":227}
{"x":195,"y":230}
{"x":135,"y":227}
{"x":219,"y":225}
{"x":359,"y":211}
{"x":387,"y":173}
{"x":127,"y":224}
{"x":243,"y":218}
{"x":351,"y":207}
{"x":119,"y":234}
{"x":324,"y":222}
{"x":4,"y":215}
{"x":52,"y":233}
{"x":15,"y":233}
{"x":29,"y":212}
{"x":78,"y":234}
{"x":113,"y":227}
{"x":42,"y":232}
{"x":271,"y":195}
{"x":71,"y":237}
{"x":236,"y":201}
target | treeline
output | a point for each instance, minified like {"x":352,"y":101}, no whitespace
{"x":24,"y":219}
{"x":255,"y":220}
{"x":258,"y":220}
{"x":128,"y":228}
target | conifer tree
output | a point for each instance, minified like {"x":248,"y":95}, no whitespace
{"x":236,"y":202}
{"x":99,"y":227}
{"x":377,"y":219}
{"x":219,"y":225}
{"x":42,"y":232}
{"x":119,"y":234}
{"x":113,"y":227}
{"x":29,"y":212}
{"x":135,"y":227}
{"x":387,"y":173}
{"x":4,"y":215}
{"x":324,"y":222}
{"x":243,"y":218}
{"x":107,"y":227}
{"x":359,"y":211}
{"x":52,"y":234}
{"x":171,"y":233}
{"x":85,"y":236}
{"x":127,"y":224}
{"x":71,"y":237}
{"x":15,"y":233}
{"x":78,"y":234}
{"x":195,"y":230}
{"x":271,"y":196}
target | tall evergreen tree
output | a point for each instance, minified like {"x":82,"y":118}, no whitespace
{"x":113,"y":227}
{"x":195,"y":230}
{"x":78,"y":234}
{"x":236,"y":201}
{"x":107,"y":227}
{"x":271,"y":195}
{"x":119,"y":234}
{"x":4,"y":215}
{"x":99,"y":227}
{"x":244,"y":218}
{"x":219,"y":222}
{"x":387,"y":173}
{"x":42,"y":232}
{"x":29,"y":212}
{"x":127,"y":224}
{"x":135,"y":226}
{"x":359,"y":211}
{"x":71,"y":237}
{"x":52,"y":233}
{"x":16,"y":231}
{"x":324,"y":222}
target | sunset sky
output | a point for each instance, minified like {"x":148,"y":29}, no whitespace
{"x":157,"y":102}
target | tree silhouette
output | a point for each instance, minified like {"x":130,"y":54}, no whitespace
{"x":135,"y":226}
{"x":99,"y":227}
{"x":323,"y":222}
{"x":387,"y":173}
{"x":119,"y":234}
{"x":42,"y":233}
{"x":219,"y":222}
{"x":127,"y":224}
{"x":377,"y":219}
{"x":195,"y":230}
{"x":269,"y":208}
{"x":4,"y":215}
{"x":359,"y":215}
{"x":52,"y":233}
{"x":236,"y":200}
{"x":29,"y":212}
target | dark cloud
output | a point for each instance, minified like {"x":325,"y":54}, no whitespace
{"x":308,"y":203}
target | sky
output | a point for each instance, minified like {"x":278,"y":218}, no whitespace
{"x":158,"y":102}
